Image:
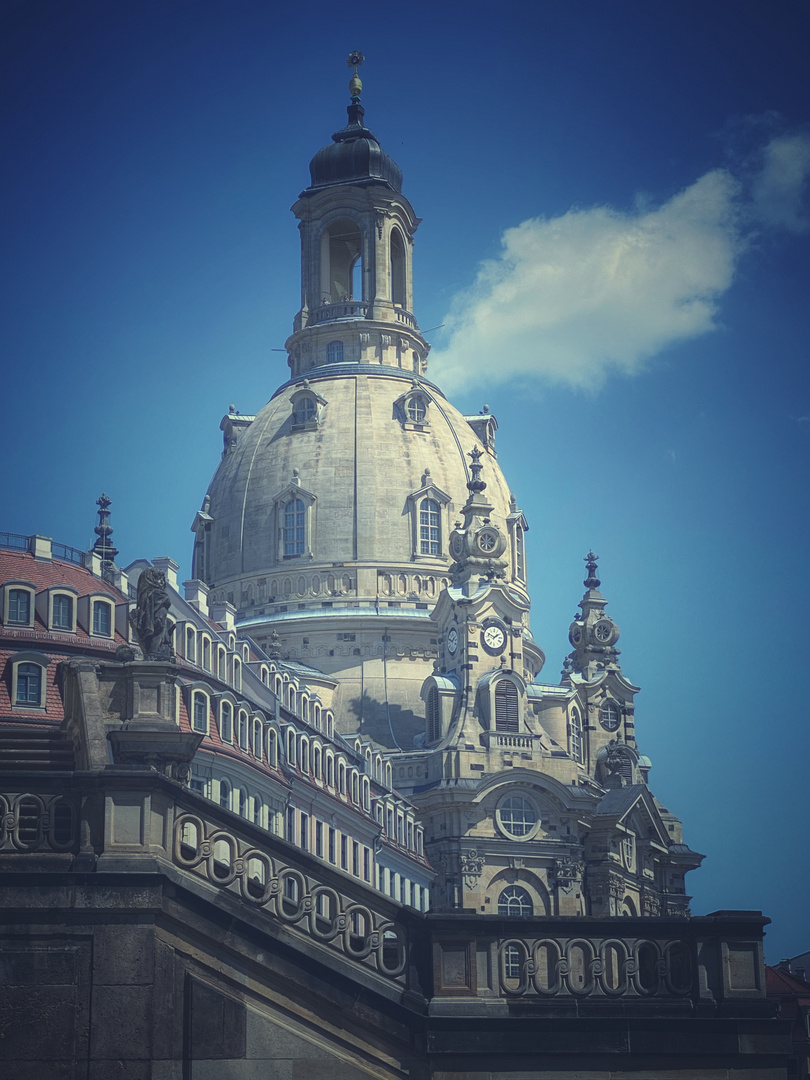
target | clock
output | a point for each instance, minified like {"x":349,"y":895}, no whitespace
{"x":575,"y":634}
{"x":452,"y":640}
{"x":456,"y":547}
{"x":493,"y":637}
{"x":603,"y":631}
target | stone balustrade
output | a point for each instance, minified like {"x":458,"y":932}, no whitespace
{"x":133,"y":821}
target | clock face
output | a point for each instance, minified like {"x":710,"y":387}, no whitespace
{"x":493,"y":638}
{"x":456,"y":546}
{"x":576,"y":635}
{"x":603,"y":631}
{"x":452,"y":640}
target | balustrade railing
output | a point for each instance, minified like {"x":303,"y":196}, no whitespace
{"x":37,"y":823}
{"x":146,"y":820}
{"x":343,"y":309}
{"x":595,"y":966}
{"x":266,"y":880}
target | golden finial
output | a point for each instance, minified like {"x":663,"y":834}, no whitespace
{"x":354,"y":60}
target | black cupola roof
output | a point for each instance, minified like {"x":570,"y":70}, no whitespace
{"x":353,"y":157}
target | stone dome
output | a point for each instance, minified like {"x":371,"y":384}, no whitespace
{"x":327,"y":525}
{"x":359,"y":463}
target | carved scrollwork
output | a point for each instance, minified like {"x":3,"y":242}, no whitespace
{"x":38,"y":823}
{"x":472,"y":863}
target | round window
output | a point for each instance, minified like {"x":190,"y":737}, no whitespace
{"x":517,"y":817}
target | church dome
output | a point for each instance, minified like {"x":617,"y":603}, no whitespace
{"x":354,"y":157}
{"x":362,"y":448}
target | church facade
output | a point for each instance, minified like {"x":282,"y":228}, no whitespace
{"x":314,"y":812}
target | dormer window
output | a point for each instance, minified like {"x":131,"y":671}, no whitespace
{"x":29,"y":685}
{"x":19,"y":607}
{"x":307,"y":407}
{"x":305,"y":410}
{"x":416,"y":409}
{"x":411,"y":408}
{"x":28,"y":680}
{"x":62,"y":611}
{"x":102,"y":618}
{"x":199,"y":712}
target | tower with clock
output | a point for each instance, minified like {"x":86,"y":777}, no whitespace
{"x":381,"y":551}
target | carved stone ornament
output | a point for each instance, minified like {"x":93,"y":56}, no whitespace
{"x":568,"y":871}
{"x":150,"y":619}
{"x":615,"y":758}
{"x":471,"y":866}
{"x":616,"y":888}
{"x":650,"y":904}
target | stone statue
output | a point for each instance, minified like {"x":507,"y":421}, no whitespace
{"x":150,"y":619}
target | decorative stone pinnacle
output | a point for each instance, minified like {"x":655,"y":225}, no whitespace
{"x":591,"y":581}
{"x":104,"y":547}
{"x":476,"y":484}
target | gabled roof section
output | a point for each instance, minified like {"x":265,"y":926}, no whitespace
{"x":617,"y":804}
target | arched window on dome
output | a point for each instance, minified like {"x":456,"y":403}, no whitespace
{"x":416,"y":409}
{"x":294,"y":528}
{"x":430,"y":534}
{"x":295,"y":522}
{"x":515,"y":901}
{"x":307,"y":406}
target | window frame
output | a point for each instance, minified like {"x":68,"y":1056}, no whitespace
{"x":225,"y":703}
{"x":505,"y":819}
{"x":37,"y":660}
{"x":62,"y":594}
{"x":96,"y":604}
{"x":29,"y":589}
{"x":523,"y":901}
{"x":197,"y":696}
{"x":431,"y":494}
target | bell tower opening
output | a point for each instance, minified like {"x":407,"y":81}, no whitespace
{"x":398,"y":292}
{"x":341,"y":262}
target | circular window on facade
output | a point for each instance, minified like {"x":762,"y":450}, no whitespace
{"x":517,"y":817}
{"x":610,"y":716}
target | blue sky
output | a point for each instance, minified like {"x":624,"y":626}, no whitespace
{"x":616,"y":235}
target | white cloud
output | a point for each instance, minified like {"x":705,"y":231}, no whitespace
{"x":779,"y":192}
{"x":574,"y":298}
